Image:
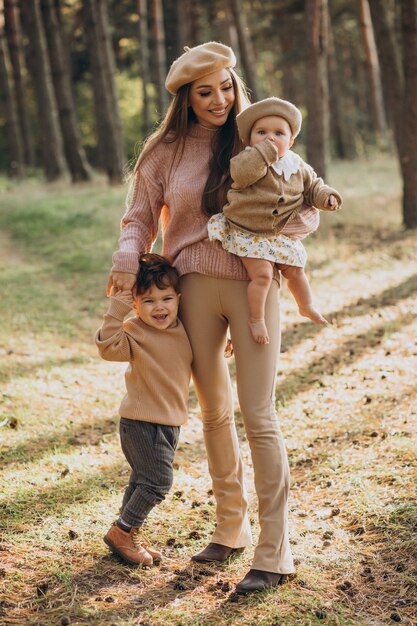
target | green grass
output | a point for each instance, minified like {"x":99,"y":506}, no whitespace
{"x":346,"y":399}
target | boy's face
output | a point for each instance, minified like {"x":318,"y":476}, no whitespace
{"x":274,"y":128}
{"x":158,"y":307}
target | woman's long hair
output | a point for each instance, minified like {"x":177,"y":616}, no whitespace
{"x":175,"y":124}
{"x":226,"y":143}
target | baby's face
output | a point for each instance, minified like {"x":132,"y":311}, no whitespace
{"x":274,"y":128}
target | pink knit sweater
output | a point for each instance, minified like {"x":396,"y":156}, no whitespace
{"x":173,"y":196}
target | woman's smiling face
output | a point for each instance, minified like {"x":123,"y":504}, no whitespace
{"x":211,"y":98}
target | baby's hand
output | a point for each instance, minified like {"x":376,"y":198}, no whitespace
{"x":332,"y":203}
{"x":271,"y":139}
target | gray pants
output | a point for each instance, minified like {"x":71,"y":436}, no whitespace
{"x":149,"y":449}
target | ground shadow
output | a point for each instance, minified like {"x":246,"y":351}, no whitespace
{"x":35,"y":448}
{"x":302,"y":379}
{"x":297,"y":333}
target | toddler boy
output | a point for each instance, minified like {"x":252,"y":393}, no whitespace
{"x":155,"y":345}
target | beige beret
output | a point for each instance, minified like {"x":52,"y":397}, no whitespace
{"x":270,"y":106}
{"x":197,"y":62}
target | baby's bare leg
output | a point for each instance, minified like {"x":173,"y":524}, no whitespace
{"x":300,"y":288}
{"x":260,"y":274}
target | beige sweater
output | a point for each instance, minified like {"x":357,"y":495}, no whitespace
{"x":174,"y":196}
{"x":261,"y":201}
{"x":159,"y":371}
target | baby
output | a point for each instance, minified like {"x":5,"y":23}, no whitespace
{"x":266,"y":214}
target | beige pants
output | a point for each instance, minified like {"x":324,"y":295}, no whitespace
{"x":208,"y":306}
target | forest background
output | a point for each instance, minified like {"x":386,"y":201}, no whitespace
{"x":81,"y":85}
{"x":83,"y":81}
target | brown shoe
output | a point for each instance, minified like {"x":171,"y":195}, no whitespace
{"x":215,"y":552}
{"x":258,"y":580}
{"x":140,"y":539}
{"x":122,"y":543}
{"x":155,"y":554}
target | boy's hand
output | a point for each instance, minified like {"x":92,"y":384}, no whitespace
{"x":124,"y":296}
{"x":121,"y":281}
{"x":332,"y":203}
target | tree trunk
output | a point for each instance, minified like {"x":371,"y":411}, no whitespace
{"x":233,"y":39}
{"x":182,"y":22}
{"x":372,"y":64}
{"x":51,"y":138}
{"x":317,"y":85}
{"x":171,"y":28}
{"x":390,"y":60}
{"x":364,"y":124}
{"x":336,"y":120}
{"x":247,"y":55}
{"x":286,"y":46}
{"x":399,"y":82}
{"x":194,"y":29}
{"x":102,"y":66}
{"x":60,"y":66}
{"x":14,"y":40}
{"x":188,"y":27}
{"x":409,"y":36}
{"x":144,"y":64}
{"x":158,"y":36}
{"x":14,"y":141}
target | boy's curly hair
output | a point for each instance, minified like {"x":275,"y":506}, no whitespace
{"x":155,"y":270}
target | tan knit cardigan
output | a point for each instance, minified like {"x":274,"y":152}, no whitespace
{"x":261,"y":201}
{"x":159,"y":371}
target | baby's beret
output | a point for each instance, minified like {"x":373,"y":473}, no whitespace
{"x":197,"y":62}
{"x":270,"y":106}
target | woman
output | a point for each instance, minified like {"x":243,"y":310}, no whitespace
{"x":182,"y":177}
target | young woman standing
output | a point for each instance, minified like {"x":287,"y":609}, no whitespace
{"x":181,"y":178}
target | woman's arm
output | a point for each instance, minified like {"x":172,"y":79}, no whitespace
{"x":304,"y":222}
{"x":139,"y":228}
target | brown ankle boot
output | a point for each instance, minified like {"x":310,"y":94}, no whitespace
{"x":122,"y":544}
{"x":215,"y":552}
{"x":258,"y":580}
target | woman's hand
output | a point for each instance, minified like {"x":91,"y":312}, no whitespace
{"x":121,"y":281}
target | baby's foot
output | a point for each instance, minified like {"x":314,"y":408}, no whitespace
{"x":314,"y":315}
{"x":259,"y":331}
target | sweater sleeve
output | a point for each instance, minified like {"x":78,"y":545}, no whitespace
{"x":316,"y":192}
{"x":112,"y":340}
{"x":304,"y":222}
{"x":247,"y":167}
{"x":139,"y":224}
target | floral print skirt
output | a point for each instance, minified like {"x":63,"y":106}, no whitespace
{"x":277,"y":248}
